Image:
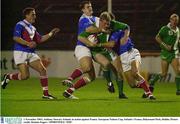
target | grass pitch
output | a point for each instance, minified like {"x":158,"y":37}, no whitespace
{"x":23,"y":98}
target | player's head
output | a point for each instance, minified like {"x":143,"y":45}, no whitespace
{"x":86,"y":8}
{"x":29,"y":14}
{"x":105,"y":19}
{"x":174,"y":19}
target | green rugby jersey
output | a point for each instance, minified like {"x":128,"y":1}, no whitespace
{"x":169,"y":36}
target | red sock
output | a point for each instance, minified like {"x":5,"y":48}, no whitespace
{"x":143,"y":84}
{"x":14,"y":76}
{"x":44,"y":84}
{"x":80,"y":83}
{"x":76,"y":73}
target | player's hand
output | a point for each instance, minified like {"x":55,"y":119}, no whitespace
{"x":32,"y":44}
{"x":54,"y":31}
{"x":169,"y":47}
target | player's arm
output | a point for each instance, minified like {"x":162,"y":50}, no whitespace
{"x":116,"y":25}
{"x":94,"y":29}
{"x":125,"y":37}
{"x":83,"y":38}
{"x":49,"y":35}
{"x":159,"y":40}
{"x":109,"y":44}
{"x":24,"y":42}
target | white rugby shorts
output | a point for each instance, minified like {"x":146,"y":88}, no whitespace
{"x":82,"y":51}
{"x":128,"y":57}
{"x":24,"y":57}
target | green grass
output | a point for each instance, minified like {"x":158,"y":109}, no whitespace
{"x":23,"y":98}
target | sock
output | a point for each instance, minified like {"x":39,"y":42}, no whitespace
{"x":14,"y":76}
{"x":154,"y":79}
{"x":44,"y":84}
{"x":120,"y":85}
{"x":80,"y":83}
{"x":107,"y":75}
{"x":143,"y":84}
{"x":177,"y":80}
{"x":75,"y":74}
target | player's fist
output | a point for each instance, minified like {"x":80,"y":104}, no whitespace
{"x":32,"y":44}
{"x":54,"y":31}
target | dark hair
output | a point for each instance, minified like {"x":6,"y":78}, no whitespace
{"x":27,"y":10}
{"x":105,"y":16}
{"x":82,"y":4}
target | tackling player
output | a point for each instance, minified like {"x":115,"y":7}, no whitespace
{"x":131,"y":60}
{"x":82,"y":51}
{"x":103,"y":24}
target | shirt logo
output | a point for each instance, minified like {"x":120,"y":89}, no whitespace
{"x":170,"y":32}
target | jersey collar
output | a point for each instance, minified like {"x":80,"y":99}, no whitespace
{"x":87,"y":16}
{"x":168,"y":25}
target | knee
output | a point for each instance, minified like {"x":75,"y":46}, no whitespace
{"x":24,"y":76}
{"x":105,"y":64}
{"x":43,"y":71}
{"x":86,"y":69}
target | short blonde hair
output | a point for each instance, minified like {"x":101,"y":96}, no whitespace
{"x":174,"y":15}
{"x":105,"y":16}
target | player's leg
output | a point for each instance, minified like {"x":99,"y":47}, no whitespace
{"x":135,"y":67}
{"x":36,"y":64}
{"x":108,"y":75}
{"x":162,"y":75}
{"x":83,"y":81}
{"x":107,"y":67}
{"x":75,"y":74}
{"x":104,"y":61}
{"x":87,"y":66}
{"x":176,"y":67}
{"x":23,"y":74}
{"x":130,"y":79}
{"x":84,"y":58}
{"x":119,"y":78}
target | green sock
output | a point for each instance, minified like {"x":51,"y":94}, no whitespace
{"x":107,"y":75}
{"x":177,"y":80}
{"x":154,"y":79}
{"x":120,"y":85}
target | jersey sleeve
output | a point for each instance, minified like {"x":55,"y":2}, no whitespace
{"x":18,"y":30}
{"x":115,"y":25}
{"x":162,"y":32}
{"x":116,"y":36}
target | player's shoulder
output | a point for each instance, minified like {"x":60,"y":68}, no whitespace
{"x":21,"y":23}
{"x":83,"y":18}
{"x":164,"y":27}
